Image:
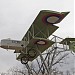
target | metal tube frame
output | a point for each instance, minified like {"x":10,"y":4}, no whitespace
{"x":44,"y":64}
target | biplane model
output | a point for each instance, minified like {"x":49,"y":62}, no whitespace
{"x":36,"y":38}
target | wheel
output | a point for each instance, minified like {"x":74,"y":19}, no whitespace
{"x":24,"y":60}
{"x":32,"y":53}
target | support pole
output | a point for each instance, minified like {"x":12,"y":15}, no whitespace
{"x":42,"y":58}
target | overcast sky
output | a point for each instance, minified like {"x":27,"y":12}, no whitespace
{"x":16,"y":16}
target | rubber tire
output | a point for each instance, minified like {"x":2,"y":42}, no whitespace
{"x":35,"y":53}
{"x":25,"y":62}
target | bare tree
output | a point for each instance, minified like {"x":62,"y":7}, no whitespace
{"x":16,"y":71}
{"x":51,"y":57}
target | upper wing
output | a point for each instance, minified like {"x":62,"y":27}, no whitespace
{"x":43,"y":24}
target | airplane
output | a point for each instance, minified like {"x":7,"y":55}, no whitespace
{"x":36,"y":38}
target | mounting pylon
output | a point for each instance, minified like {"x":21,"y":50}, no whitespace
{"x":45,"y":61}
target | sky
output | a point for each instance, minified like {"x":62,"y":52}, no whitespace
{"x":16,"y":16}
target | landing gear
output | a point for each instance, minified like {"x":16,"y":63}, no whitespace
{"x":31,"y":53}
